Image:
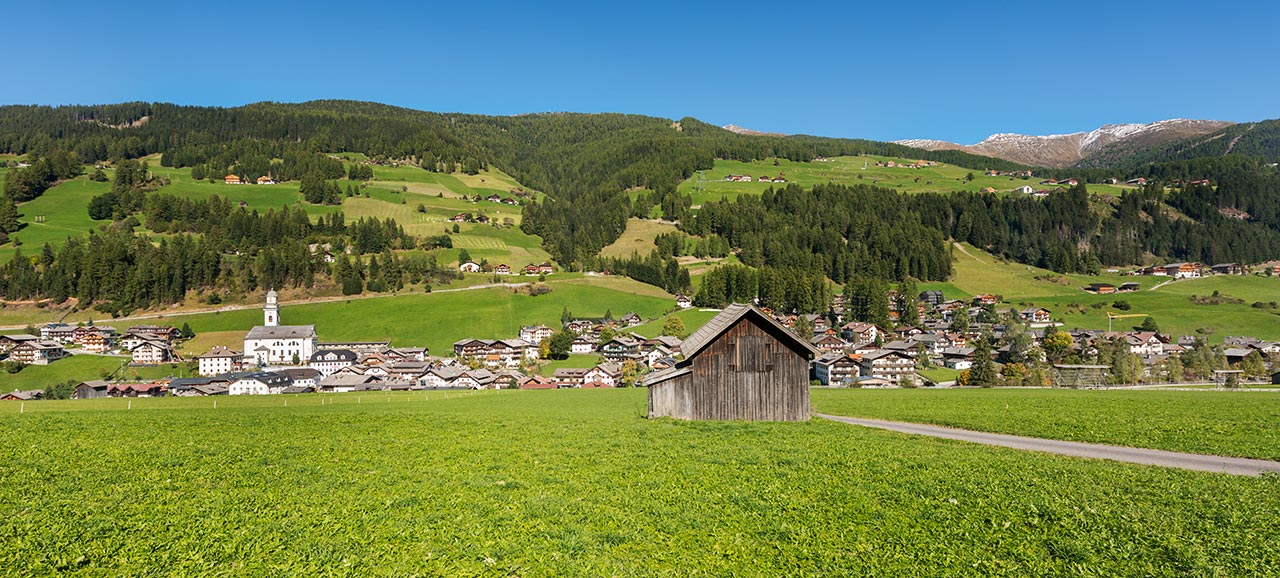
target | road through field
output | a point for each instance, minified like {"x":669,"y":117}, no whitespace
{"x":1199,"y":462}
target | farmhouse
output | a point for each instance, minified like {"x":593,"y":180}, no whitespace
{"x":38,"y":352}
{"x":1036,"y":315}
{"x":837,"y":368}
{"x":259,"y":383}
{"x":27,"y":395}
{"x":469,"y":267}
{"x":858,"y":332}
{"x":502,"y":269}
{"x":1182,"y":270}
{"x":274,"y":343}
{"x":60,"y":332}
{"x":234,"y":180}
{"x":537,"y":382}
{"x":888,"y":364}
{"x":152,"y":352}
{"x":535,"y":333}
{"x":266,"y":180}
{"x":684,"y":301}
{"x":741,"y":365}
{"x":1229,"y":269}
{"x":218,"y":360}
{"x":91,"y":389}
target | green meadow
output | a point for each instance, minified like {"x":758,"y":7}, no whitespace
{"x":711,"y":185}
{"x":579,"y":483}
{"x":1168,"y":302}
{"x":395,"y":193}
{"x":436,"y":320}
{"x":1207,"y":422}
{"x":81,"y":368}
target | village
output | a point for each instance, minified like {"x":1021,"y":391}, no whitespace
{"x":1022,"y":347}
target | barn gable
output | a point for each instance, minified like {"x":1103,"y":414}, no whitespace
{"x":741,"y":365}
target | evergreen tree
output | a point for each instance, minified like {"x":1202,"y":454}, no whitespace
{"x":983,"y":372}
{"x":8,"y":215}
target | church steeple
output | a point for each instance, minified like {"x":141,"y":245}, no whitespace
{"x":271,"y":313}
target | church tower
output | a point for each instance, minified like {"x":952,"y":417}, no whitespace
{"x":271,"y":312}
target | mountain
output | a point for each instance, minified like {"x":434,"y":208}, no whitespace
{"x":733,"y":128}
{"x":1254,"y":139}
{"x":1112,"y":141}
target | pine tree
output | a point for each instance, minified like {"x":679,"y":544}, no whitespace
{"x":8,"y":215}
{"x":983,"y":372}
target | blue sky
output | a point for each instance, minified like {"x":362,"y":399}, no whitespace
{"x":884,"y":70}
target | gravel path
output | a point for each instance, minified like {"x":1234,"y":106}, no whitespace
{"x":1199,"y":462}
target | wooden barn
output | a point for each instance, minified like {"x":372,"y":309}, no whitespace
{"x":741,"y":365}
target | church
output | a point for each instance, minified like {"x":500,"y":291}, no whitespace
{"x":275,"y":344}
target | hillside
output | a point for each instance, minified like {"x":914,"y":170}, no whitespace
{"x":1064,"y":150}
{"x":1254,"y":139}
{"x":898,"y":173}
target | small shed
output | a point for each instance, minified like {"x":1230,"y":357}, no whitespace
{"x":741,"y":365}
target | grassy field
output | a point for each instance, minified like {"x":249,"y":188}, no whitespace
{"x":638,"y":238}
{"x":942,"y":178}
{"x":693,"y":318}
{"x":437,"y":320}
{"x":586,"y":360}
{"x":1169,"y":304}
{"x":1222,"y":423}
{"x":81,"y":368}
{"x":557,"y":483}
{"x":395,"y":192}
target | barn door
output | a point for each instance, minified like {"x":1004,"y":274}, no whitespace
{"x":754,"y":353}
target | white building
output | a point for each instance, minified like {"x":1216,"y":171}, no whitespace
{"x":327,"y":361}
{"x":152,"y":353}
{"x":260,"y":383}
{"x":272,"y":343}
{"x":217,"y":361}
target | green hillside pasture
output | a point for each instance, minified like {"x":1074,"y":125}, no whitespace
{"x":1170,"y":305}
{"x":693,"y":318}
{"x":82,"y":368}
{"x":1220,"y":423}
{"x":65,"y":209}
{"x":577,"y":483}
{"x":585,"y":360}
{"x":637,"y":238}
{"x":434,"y":320}
{"x":942,"y":178}
{"x":1173,"y":310}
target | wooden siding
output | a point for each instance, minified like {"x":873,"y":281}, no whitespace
{"x":746,"y":373}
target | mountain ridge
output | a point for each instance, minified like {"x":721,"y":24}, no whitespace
{"x":1070,"y":149}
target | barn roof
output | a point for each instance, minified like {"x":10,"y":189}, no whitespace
{"x":703,"y":337}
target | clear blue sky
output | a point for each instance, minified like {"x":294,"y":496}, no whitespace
{"x":883,"y":70}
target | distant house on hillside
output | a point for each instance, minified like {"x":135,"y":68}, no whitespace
{"x":1024,"y":189}
{"x":266,"y":180}
{"x":683,"y":301}
{"x":234,"y":180}
{"x":1100,"y":288}
{"x":469,"y":267}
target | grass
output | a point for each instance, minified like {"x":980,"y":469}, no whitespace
{"x":436,"y":320}
{"x":1222,"y":423}
{"x":553,"y":483}
{"x":82,"y":368}
{"x":693,"y":318}
{"x":942,"y":178}
{"x":1169,"y":304}
{"x":638,"y":238}
{"x":583,"y":360}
